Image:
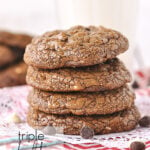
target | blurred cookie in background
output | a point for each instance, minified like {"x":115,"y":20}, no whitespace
{"x":12,"y":47}
{"x":9,"y":55}
{"x":14,"y":39}
{"x":12,"y":68}
{"x":13,"y":75}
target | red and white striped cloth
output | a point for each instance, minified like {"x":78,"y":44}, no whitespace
{"x":13,"y":100}
{"x":67,"y":146}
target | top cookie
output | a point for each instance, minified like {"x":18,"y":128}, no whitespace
{"x":14,"y":39}
{"x":75,"y":47}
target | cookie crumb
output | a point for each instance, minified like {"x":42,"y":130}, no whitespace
{"x":14,"y":118}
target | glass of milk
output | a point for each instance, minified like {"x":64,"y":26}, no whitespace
{"x":120,"y":15}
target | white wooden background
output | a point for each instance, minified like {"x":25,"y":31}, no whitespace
{"x":38,"y":16}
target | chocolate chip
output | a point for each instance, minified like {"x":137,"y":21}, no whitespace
{"x":137,"y":145}
{"x":87,"y":132}
{"x":135,"y":85}
{"x":145,"y":121}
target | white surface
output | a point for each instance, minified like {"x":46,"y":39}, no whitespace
{"x":120,"y":15}
{"x":34,"y":16}
{"x":17,"y":96}
{"x":110,"y":140}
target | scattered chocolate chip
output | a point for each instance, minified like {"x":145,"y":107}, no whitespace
{"x":145,"y":121}
{"x":87,"y":132}
{"x":137,"y":145}
{"x":49,"y":130}
{"x":135,"y":85}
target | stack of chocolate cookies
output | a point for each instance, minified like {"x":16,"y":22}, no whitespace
{"x":78,"y":81}
{"x":12,"y":68}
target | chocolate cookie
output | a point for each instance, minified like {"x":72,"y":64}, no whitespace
{"x":101,"y":124}
{"x":109,"y":75}
{"x":106,"y":102}
{"x":13,"y":75}
{"x":75,"y":47}
{"x":14,"y":39}
{"x":9,"y":55}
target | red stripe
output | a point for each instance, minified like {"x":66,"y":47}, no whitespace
{"x":106,"y":148}
{"x":147,"y":146}
{"x":88,"y":143}
{"x":86,"y":147}
{"x":140,"y":74}
{"x":115,"y":148}
{"x":141,"y":93}
{"x":148,"y":142}
{"x":52,"y":148}
{"x":67,"y":147}
{"x":47,"y":140}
